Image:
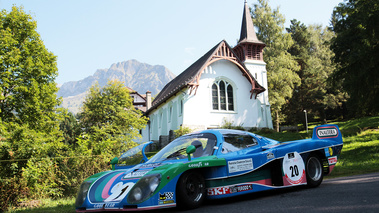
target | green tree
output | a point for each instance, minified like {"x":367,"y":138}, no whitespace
{"x":300,"y":50}
{"x":27,"y":73}
{"x":312,"y":52}
{"x":28,"y":101}
{"x":109,"y":118}
{"x":281,"y":66}
{"x":356,"y":48}
{"x":70,"y":128}
{"x":324,"y":96}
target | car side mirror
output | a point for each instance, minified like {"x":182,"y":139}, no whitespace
{"x":114,"y":161}
{"x":190,"y":149}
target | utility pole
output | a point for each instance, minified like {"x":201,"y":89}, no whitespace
{"x":306,"y":120}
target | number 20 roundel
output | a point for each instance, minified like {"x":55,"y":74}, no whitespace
{"x":293,"y":169}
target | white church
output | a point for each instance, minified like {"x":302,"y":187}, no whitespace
{"x":225,"y":84}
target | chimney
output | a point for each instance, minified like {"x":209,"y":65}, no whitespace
{"x":148,"y":100}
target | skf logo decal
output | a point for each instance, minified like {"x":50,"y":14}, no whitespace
{"x":229,"y":189}
{"x":327,"y":132}
{"x":218,"y":191}
{"x":332,"y":160}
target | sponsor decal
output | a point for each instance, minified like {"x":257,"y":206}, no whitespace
{"x":151,"y":165}
{"x":166,"y":198}
{"x":218,"y":191}
{"x":328,"y":151}
{"x":162,"y":202}
{"x":195,"y":165}
{"x":270,"y":155}
{"x":293,"y":168}
{"x":105,"y":205}
{"x":135,"y":174}
{"x":240,"y":165}
{"x":327,"y":154}
{"x":229,"y":189}
{"x":240,"y":188}
{"x":291,"y":155}
{"x":332,"y":160}
{"x":327,"y":132}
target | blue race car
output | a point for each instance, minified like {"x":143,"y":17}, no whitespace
{"x":216,"y":163}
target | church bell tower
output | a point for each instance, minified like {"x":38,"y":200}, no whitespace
{"x":250,"y":51}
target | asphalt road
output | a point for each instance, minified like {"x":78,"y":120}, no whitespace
{"x":347,"y":194}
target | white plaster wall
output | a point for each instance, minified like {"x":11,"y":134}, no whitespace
{"x":198,"y":108}
{"x":197,"y":112}
{"x":258,"y":70}
{"x":162,"y":121}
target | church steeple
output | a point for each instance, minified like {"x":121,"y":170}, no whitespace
{"x":250,"y":51}
{"x":249,"y":47}
{"x":247,"y":28}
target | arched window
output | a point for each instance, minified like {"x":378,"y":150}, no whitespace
{"x":222,"y":96}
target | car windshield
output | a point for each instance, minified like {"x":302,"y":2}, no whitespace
{"x":204,"y":144}
{"x":132,"y":157}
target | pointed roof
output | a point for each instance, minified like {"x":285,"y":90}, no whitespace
{"x":191,"y":76}
{"x":247,"y":28}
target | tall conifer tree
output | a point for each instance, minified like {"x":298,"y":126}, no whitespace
{"x":281,"y":66}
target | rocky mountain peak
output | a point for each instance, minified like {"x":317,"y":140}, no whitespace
{"x":141,"y":77}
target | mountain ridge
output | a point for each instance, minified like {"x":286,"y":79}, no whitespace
{"x":138,"y":76}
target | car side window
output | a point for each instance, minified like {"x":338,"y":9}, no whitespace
{"x":234,"y":142}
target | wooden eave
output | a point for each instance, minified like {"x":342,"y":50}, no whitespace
{"x":225,"y":52}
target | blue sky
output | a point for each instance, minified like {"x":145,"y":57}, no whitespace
{"x":93,"y":34}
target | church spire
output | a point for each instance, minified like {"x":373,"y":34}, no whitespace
{"x":247,"y":29}
{"x":248,"y":47}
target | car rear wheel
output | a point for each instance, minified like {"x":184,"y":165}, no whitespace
{"x":190,"y":190}
{"x":314,"y":171}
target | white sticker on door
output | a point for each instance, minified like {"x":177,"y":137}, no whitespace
{"x":240,"y":165}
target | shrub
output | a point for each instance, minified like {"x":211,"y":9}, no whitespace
{"x":182,"y":131}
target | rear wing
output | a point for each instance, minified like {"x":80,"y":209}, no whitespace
{"x":327,"y":132}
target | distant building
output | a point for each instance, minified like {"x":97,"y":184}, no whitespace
{"x":226,"y":84}
{"x":141,"y":102}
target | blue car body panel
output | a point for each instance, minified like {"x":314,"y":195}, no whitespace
{"x":266,"y":164}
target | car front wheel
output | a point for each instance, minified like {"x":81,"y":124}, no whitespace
{"x":314,"y":171}
{"x":190,"y":190}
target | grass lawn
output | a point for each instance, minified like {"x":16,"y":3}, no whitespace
{"x":64,"y":205}
{"x":360,"y":152}
{"x":360,"y":155}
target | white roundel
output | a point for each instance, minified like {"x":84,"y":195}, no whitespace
{"x":293,"y":168}
{"x":119,"y":191}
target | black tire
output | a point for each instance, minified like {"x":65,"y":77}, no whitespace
{"x":314,"y":171}
{"x":190,"y":190}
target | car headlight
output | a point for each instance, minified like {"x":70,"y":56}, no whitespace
{"x":144,"y":188}
{"x":82,"y":194}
